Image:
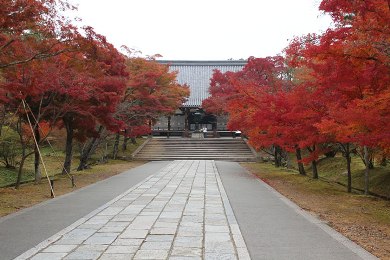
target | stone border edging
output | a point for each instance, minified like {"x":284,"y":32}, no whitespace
{"x":239,"y":241}
{"x":140,"y":147}
{"x":56,"y":236}
{"x":360,"y":251}
{"x":254,"y":152}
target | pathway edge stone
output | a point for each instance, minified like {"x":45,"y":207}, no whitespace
{"x":360,"y":251}
{"x":56,"y":236}
{"x":239,"y":241}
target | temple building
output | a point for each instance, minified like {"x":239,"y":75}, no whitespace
{"x":190,"y":116}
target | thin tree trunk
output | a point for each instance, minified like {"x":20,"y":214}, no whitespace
{"x":298,"y":154}
{"x":20,"y":171}
{"x":88,"y":151}
{"x":277,"y":156}
{"x":68,"y":122}
{"x":366,"y":172}
{"x":23,"y":145}
{"x":314,"y":168}
{"x":2,"y":118}
{"x":349,"y":174}
{"x":125,"y":139}
{"x":124,"y":144}
{"x":313,"y":163}
{"x":133,"y":140}
{"x":37,"y":159}
{"x":116,"y":146}
{"x":383,"y":161}
{"x":370,"y":163}
{"x":150,"y":127}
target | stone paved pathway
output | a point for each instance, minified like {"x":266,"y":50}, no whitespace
{"x":182,"y":212}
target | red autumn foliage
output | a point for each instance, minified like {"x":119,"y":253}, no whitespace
{"x":152,"y":91}
{"x":332,"y":87}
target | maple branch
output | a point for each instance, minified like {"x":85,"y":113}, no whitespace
{"x":39,"y":56}
{"x":7,"y":44}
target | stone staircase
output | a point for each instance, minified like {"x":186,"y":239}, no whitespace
{"x":226,"y":149}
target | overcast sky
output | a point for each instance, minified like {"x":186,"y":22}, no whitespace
{"x":203,"y":29}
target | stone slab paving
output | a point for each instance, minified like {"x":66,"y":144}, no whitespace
{"x":182,"y":212}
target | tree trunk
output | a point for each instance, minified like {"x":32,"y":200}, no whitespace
{"x":276,"y":156}
{"x":300,"y":164}
{"x":383,"y":161}
{"x":314,"y":168}
{"x":116,"y":146}
{"x":150,"y":127}
{"x":313,"y":163}
{"x":366,"y":172}
{"x":20,"y":171}
{"x":370,"y":163}
{"x":85,"y":155}
{"x":124,"y":144}
{"x":3,"y":115}
{"x":288,"y":160}
{"x":133,"y":140}
{"x":68,"y":122}
{"x":23,"y":145}
{"x":125,"y":139}
{"x":37,"y":159}
{"x":349,"y":175}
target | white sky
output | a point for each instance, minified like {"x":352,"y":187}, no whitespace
{"x":203,"y":29}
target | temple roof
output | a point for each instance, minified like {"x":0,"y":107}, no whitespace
{"x":197,"y":75}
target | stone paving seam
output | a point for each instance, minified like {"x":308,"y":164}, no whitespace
{"x":180,"y":166}
{"x":204,"y":220}
{"x":183,"y":204}
{"x":56,"y":236}
{"x":184,"y":163}
{"x":169,"y":168}
{"x":4,"y":218}
{"x":358,"y":250}
{"x":162,"y":174}
{"x":197,"y":162}
{"x":238,"y":240}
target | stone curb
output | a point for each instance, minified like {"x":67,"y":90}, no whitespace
{"x":56,"y":236}
{"x":361,"y":252}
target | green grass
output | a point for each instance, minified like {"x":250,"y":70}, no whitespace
{"x":268,"y":170}
{"x":54,"y":160}
{"x":335,"y":169}
{"x":327,"y":192}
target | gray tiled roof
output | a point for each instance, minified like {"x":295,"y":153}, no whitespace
{"x":197,"y":75}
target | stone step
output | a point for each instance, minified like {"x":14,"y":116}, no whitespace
{"x":234,"y":159}
{"x":195,"y":152}
{"x":196,"y":149}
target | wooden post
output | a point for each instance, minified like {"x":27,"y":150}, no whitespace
{"x":52,"y":188}
{"x":215,"y":127}
{"x":169,"y":126}
{"x":186,"y":122}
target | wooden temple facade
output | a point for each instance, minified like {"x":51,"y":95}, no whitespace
{"x":190,"y":117}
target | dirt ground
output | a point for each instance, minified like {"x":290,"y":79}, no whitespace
{"x":12,"y":200}
{"x":363,"y":219}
